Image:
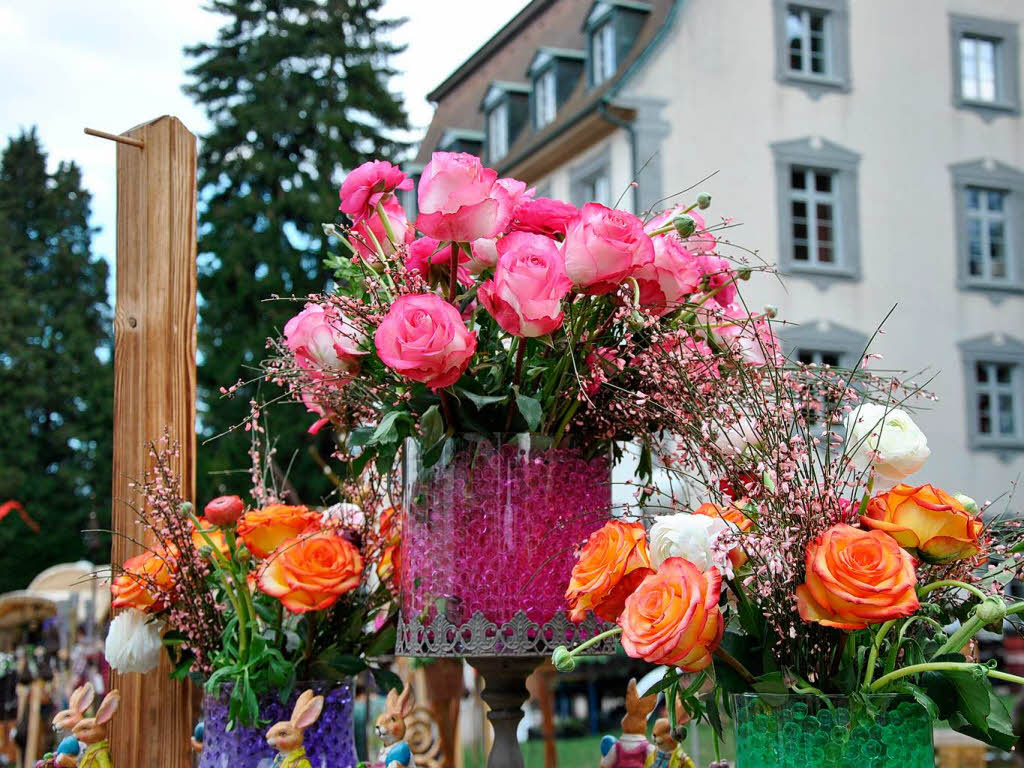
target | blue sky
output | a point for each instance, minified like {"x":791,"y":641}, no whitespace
{"x":112,"y":64}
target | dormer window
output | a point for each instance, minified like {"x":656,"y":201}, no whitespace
{"x":612,"y":27}
{"x":555,"y":73}
{"x":497,"y":132}
{"x":506,"y":108}
{"x":602,"y":53}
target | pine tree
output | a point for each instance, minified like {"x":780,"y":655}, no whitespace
{"x":55,"y":364}
{"x":297,"y":92}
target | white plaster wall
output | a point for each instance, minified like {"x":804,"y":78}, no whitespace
{"x":726,"y":108}
{"x":557,"y":182}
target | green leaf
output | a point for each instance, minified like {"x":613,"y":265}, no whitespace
{"x":530,"y":409}
{"x":384,"y":642}
{"x":386,"y":680}
{"x":481,"y":401}
{"x":546,"y":340}
{"x":920,"y":697}
{"x":387,"y":429}
{"x":645,"y":465}
{"x":746,"y":653}
{"x":332,"y":664}
{"x":772,"y":682}
{"x":431,"y":426}
{"x":960,"y":692}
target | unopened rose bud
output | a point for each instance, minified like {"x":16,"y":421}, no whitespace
{"x":992,"y":610}
{"x":242,"y":554}
{"x":206,"y":550}
{"x":969,"y":504}
{"x":186,"y":507}
{"x":745,"y":273}
{"x":563,"y":660}
{"x":703,"y":201}
{"x":685,"y":225}
{"x":771,"y":311}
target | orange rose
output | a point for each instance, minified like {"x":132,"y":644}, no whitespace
{"x":263,"y":530}
{"x":926,"y":521}
{"x":673,"y":616}
{"x":611,"y":565}
{"x":737,"y":521}
{"x":856,"y":578}
{"x":213,"y":533}
{"x":145,"y":581}
{"x":312,"y":572}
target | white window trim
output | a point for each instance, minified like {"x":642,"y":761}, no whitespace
{"x":1007,"y":64}
{"x":837,"y":47}
{"x":497,"y":132}
{"x":998,"y":350}
{"x":602,"y":52}
{"x":545,"y":92}
{"x":806,"y":13}
{"x":811,"y":198}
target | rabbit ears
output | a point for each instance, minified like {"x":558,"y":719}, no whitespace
{"x":637,"y":705}
{"x":307,"y":710}
{"x":400,"y":703}
{"x":81,"y":698}
{"x":108,"y":707}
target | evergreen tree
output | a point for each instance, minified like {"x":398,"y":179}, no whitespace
{"x":55,"y":364}
{"x":297,"y":92}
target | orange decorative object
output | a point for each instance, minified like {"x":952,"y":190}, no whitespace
{"x":611,"y":565}
{"x":673,"y":616}
{"x":926,"y":521}
{"x":737,"y":521}
{"x":311,"y":573}
{"x":263,"y":530}
{"x":145,"y":580}
{"x":10,"y":506}
{"x":856,"y":578}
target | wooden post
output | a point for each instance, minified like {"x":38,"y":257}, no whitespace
{"x":154,"y":389}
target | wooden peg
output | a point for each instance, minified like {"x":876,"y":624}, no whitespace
{"x":114,"y":137}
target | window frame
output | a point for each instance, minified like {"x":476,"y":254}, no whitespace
{"x":583,"y":175}
{"x":822,"y":156}
{"x":837,"y":77}
{"x":607,"y":57}
{"x":1004,"y":35}
{"x":545,"y":95}
{"x":989,"y":175}
{"x":996,"y":350}
{"x":498,"y":109}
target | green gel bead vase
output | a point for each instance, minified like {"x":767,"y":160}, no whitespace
{"x":791,"y":731}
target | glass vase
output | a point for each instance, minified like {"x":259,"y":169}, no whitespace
{"x":329,"y":742}
{"x":492,"y":524}
{"x":794,"y":731}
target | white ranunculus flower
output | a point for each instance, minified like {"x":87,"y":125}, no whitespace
{"x":133,"y":642}
{"x":886,"y":439}
{"x":734,"y":439}
{"x":691,"y":537}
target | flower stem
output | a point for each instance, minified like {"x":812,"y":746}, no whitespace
{"x":942,"y":666}
{"x":876,"y":645}
{"x":951,"y":583}
{"x":453,"y":276}
{"x":733,"y":662}
{"x":962,"y":636}
{"x":595,"y":640}
{"x":386,"y":222}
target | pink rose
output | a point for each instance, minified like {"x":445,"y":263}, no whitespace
{"x":485,"y":254}
{"x":670,"y":278}
{"x":460,"y":200}
{"x":368,"y":185}
{"x":431,"y":260}
{"x":720,"y":277}
{"x":324,"y":343}
{"x":517,"y":191}
{"x":701,"y":241}
{"x":544,"y":216}
{"x":525,"y":295}
{"x":749,"y":335}
{"x":602,"y":363}
{"x":360,"y":238}
{"x":423,"y":338}
{"x":603,"y":247}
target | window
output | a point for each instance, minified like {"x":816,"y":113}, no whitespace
{"x":602,"y":53}
{"x":497,"y":132}
{"x":545,"y":99}
{"x":812,"y":41}
{"x":819,"y":357}
{"x":590,"y":181}
{"x":985,"y":65}
{"x":989,"y":211}
{"x":994,"y":375}
{"x":817,"y":188}
{"x":822,"y":344}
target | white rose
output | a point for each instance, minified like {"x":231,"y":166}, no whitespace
{"x":886,"y":439}
{"x":691,"y":537}
{"x":734,"y":439}
{"x":133,"y":642}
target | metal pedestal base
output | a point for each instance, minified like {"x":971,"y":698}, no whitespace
{"x":505,"y":691}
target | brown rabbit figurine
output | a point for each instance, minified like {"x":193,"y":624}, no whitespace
{"x":633,"y":749}
{"x":78,"y":705}
{"x":286,"y":736}
{"x":391,"y":730}
{"x":668,"y":752}
{"x":91,"y":733}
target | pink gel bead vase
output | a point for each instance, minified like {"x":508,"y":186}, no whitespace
{"x":490,"y":528}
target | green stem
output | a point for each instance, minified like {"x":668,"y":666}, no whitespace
{"x":867,"y":495}
{"x":595,"y":640}
{"x":733,"y":662}
{"x":876,"y":645}
{"x":951,"y":583}
{"x":386,"y":222}
{"x":962,"y":636}
{"x":565,"y":421}
{"x":942,"y":666}
{"x":228,"y":580}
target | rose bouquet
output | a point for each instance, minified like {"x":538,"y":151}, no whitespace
{"x":248,"y":600}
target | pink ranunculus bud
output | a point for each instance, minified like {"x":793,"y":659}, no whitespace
{"x":544,"y":216}
{"x":701,"y":241}
{"x":427,"y":257}
{"x":360,"y":238}
{"x":525,"y":295}
{"x":324,"y":343}
{"x":603,"y":247}
{"x":368,"y":185}
{"x":485,"y":254}
{"x":670,"y":278}
{"x":720,"y":277}
{"x":423,"y":338}
{"x":460,"y":200}
{"x":224,"y":510}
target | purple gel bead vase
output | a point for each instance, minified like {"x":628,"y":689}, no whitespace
{"x":329,"y":742}
{"x":493,"y":526}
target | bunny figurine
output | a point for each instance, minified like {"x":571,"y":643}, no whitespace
{"x":66,"y":755}
{"x":633,"y":749}
{"x":78,"y":705}
{"x":286,"y":736}
{"x":391,"y":730}
{"x":668,"y":751}
{"x":91,"y":732}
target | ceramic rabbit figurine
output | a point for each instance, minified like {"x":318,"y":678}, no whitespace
{"x":668,"y":751}
{"x":391,"y":730}
{"x":286,"y":736}
{"x":66,"y":755}
{"x":91,"y":732}
{"x":633,"y":749}
{"x":198,"y":734}
{"x":78,"y":704}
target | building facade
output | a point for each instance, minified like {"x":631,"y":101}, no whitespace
{"x":873,"y":150}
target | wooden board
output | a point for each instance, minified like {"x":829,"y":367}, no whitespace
{"x":154,"y":389}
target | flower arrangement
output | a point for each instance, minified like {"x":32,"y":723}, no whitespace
{"x":252,"y":599}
